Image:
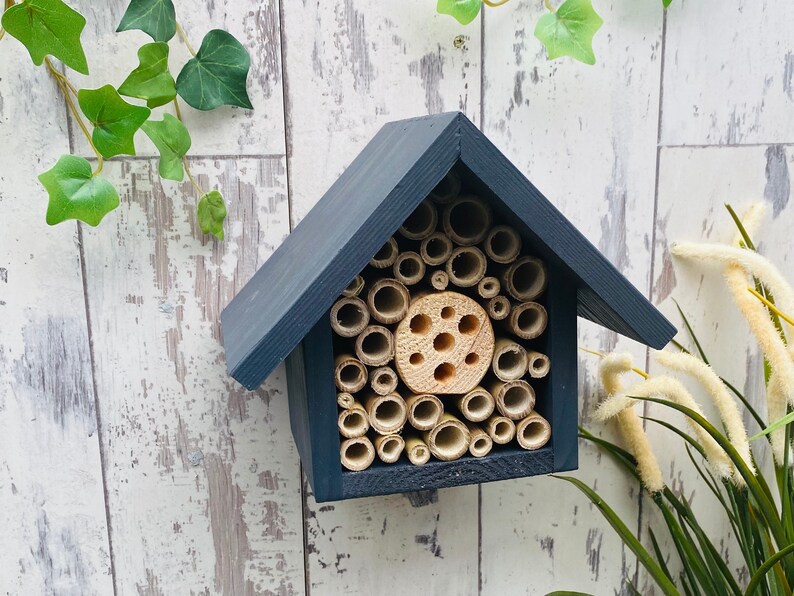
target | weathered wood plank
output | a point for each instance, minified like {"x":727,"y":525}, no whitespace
{"x":52,"y":504}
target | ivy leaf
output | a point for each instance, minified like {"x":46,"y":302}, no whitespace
{"x":114,"y":119}
{"x":76,"y":194}
{"x":465,"y":11}
{"x":570,"y":31}
{"x":48,"y":27}
{"x":217,"y":75}
{"x":211,"y":213}
{"x":172,"y":141}
{"x":151,"y":80}
{"x":157,"y":18}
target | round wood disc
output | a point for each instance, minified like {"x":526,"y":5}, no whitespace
{"x":444,"y":344}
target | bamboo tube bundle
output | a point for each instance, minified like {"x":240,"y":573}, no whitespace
{"x":383,"y":380}
{"x":345,"y":400}
{"x":409,"y":268}
{"x":350,"y":374}
{"x":481,"y":442}
{"x":389,"y":447}
{"x":533,"y":432}
{"x":467,"y":220}
{"x":424,"y":410}
{"x":539,"y":365}
{"x":527,"y":320}
{"x":489,"y":287}
{"x":349,"y":316}
{"x":375,"y":345}
{"x":510,"y":360}
{"x":466,"y":266}
{"x":447,"y":190}
{"x":449,"y":439}
{"x":354,"y":288}
{"x":476,"y":405}
{"x":388,"y":301}
{"x":436,"y":249}
{"x":439,"y":280}
{"x":353,"y":422}
{"x":417,"y":450}
{"x":514,"y":399}
{"x":421,"y":223}
{"x":502,"y":430}
{"x":357,"y":454}
{"x":387,"y":413}
{"x":525,"y":279}
{"x":498,"y":308}
{"x":386,"y":256}
{"x":502,"y":244}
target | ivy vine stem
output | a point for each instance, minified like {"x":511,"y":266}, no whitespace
{"x":6,"y":5}
{"x":185,"y":40}
{"x":493,"y":4}
{"x":549,"y":7}
{"x":185,"y":164}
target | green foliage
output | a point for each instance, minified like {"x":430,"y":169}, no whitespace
{"x":48,"y":27}
{"x":157,"y":18}
{"x":465,"y":11}
{"x":212,"y":213}
{"x":666,"y":3}
{"x":172,"y":141}
{"x":115,"y":121}
{"x":217,"y":75}
{"x":152,"y":80}
{"x":569,"y":31}
{"x":75,"y":193}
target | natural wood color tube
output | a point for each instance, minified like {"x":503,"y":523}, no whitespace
{"x":375,"y":345}
{"x":449,"y":439}
{"x":350,"y":374}
{"x":387,"y":413}
{"x":509,"y":360}
{"x":533,"y":432}
{"x":447,"y":190}
{"x":386,"y":256}
{"x":502,"y":244}
{"x":354,"y":288}
{"x":481,"y":442}
{"x":525,"y":279}
{"x":539,"y":365}
{"x":502,"y":430}
{"x":439,"y":280}
{"x":489,"y":287}
{"x":357,"y":454}
{"x":467,"y":220}
{"x":388,"y":301}
{"x":421,"y":223}
{"x":389,"y":447}
{"x":353,"y":422}
{"x":349,"y":316}
{"x":514,"y":399}
{"x":436,"y":249}
{"x":476,"y":405}
{"x":424,"y":410}
{"x":498,"y":308}
{"x":383,"y":380}
{"x":345,"y":400}
{"x":527,"y":320}
{"x":466,"y":267}
{"x":417,"y":450}
{"x":409,"y":268}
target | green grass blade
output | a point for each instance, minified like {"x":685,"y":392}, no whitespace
{"x":659,"y":556}
{"x":787,"y":419}
{"x":691,"y":332}
{"x":567,"y":593}
{"x":748,"y":242}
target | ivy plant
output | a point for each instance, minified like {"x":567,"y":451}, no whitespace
{"x":215,"y":76}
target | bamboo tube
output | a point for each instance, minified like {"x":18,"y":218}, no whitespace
{"x":389,"y":447}
{"x":349,"y":316}
{"x":354,"y":288}
{"x":353,"y":422}
{"x":501,"y":430}
{"x":527,"y":320}
{"x":439,"y":280}
{"x":436,"y":249}
{"x":539,"y":365}
{"x":525,"y":279}
{"x":467,"y":220}
{"x":375,"y":345}
{"x":421,"y":223}
{"x":388,"y":301}
{"x":357,"y":454}
{"x":533,"y":432}
{"x":466,"y":267}
{"x":345,"y":400}
{"x":449,"y":439}
{"x":409,"y":268}
{"x":481,"y":442}
{"x":447,"y":190}
{"x":350,"y":374}
{"x":489,"y":287}
{"x":387,"y":413}
{"x":383,"y":380}
{"x":502,"y":244}
{"x":514,"y":399}
{"x":509,"y":360}
{"x":424,"y":410}
{"x":476,"y":405}
{"x":386,"y":256}
{"x":498,"y":308}
{"x":417,"y":450}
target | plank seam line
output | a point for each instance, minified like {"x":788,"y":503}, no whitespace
{"x":720,"y":145}
{"x":192,"y":157}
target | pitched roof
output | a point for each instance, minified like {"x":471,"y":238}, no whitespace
{"x":378,"y":191}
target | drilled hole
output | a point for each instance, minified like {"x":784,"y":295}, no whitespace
{"x":420,"y":324}
{"x":472,"y":358}
{"x":416,"y":359}
{"x":469,"y":324}
{"x":444,"y":373}
{"x":443,"y":342}
{"x":447,"y":313}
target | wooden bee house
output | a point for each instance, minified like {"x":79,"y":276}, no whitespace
{"x":426,"y":308}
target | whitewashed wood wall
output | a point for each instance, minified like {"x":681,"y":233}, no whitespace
{"x":131,"y":464}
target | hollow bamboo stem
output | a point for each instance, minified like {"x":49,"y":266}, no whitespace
{"x":386,"y":256}
{"x":502,"y":244}
{"x":421,"y":223}
{"x":481,"y":442}
{"x":436,"y":249}
{"x":388,"y":301}
{"x":387,"y":413}
{"x":417,"y":450}
{"x":357,"y":454}
{"x":349,"y":316}
{"x":527,"y":320}
{"x":449,"y":439}
{"x":354,"y":288}
{"x":525,"y":279}
{"x":439,"y":280}
{"x":533,"y":432}
{"x":466,"y":266}
{"x":498,"y":308}
{"x":389,"y":447}
{"x":514,"y":399}
{"x":383,"y":380}
{"x":467,"y":220}
{"x":353,"y":422}
{"x":409,"y":268}
{"x":538,"y":365}
{"x":345,"y":400}
{"x":489,"y":287}
{"x":502,"y":430}
{"x":509,"y":360}
{"x":447,"y":190}
{"x":476,"y":405}
{"x":375,"y":345}
{"x":350,"y":374}
{"x":424,"y":411}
